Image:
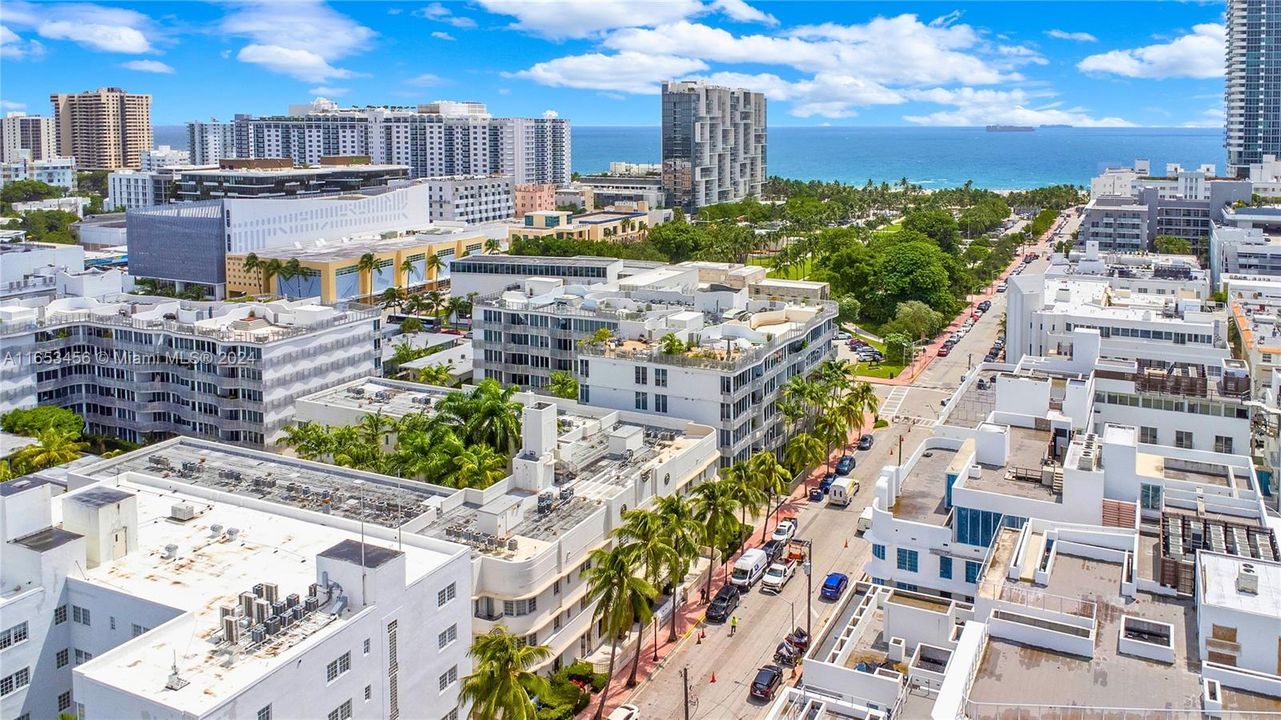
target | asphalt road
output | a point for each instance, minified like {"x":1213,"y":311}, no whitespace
{"x":764,"y":619}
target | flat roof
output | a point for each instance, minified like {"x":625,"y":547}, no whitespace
{"x":1020,"y":475}
{"x":541,"y":260}
{"x":392,"y":398}
{"x":329,"y":489}
{"x":210,"y":571}
{"x":354,"y":247}
{"x":922,"y":492}
{"x":285,"y":172}
{"x":1218,"y":584}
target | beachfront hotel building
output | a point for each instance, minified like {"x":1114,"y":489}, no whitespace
{"x":103,"y":129}
{"x":714,"y":144}
{"x":198,"y":580}
{"x":144,"y":367}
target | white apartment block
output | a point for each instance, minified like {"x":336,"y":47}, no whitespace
{"x":1044,"y":310}
{"x":435,"y":139}
{"x":56,"y":171}
{"x":131,"y":189}
{"x":578,"y":469}
{"x":163,"y":157}
{"x":210,"y":142}
{"x":191,"y":579}
{"x":714,"y":143}
{"x":1146,"y":273}
{"x":473,"y":200}
{"x":31,"y":269}
{"x":153,"y":367}
{"x":27,"y":136}
{"x":743,"y":350}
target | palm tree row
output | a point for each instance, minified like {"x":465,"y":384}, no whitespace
{"x":823,"y":411}
{"x":466,"y":442}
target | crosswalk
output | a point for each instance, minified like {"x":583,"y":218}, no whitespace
{"x":893,"y":402}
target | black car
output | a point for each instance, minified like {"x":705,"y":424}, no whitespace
{"x":985,"y":305}
{"x":723,"y":604}
{"x":865,"y":442}
{"x":773,"y":549}
{"x":768,"y":679}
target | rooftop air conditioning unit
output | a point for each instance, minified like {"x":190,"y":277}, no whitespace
{"x":1248,"y":579}
{"x":182,"y":512}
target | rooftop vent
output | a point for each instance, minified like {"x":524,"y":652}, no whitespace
{"x":171,"y":551}
{"x":1248,"y":579}
{"x":232,"y":533}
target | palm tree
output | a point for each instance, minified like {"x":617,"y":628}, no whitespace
{"x":434,"y":375}
{"x":407,"y":271}
{"x":621,"y":598}
{"x":269,"y":269}
{"x":746,"y":488}
{"x":683,"y":530}
{"x":865,"y":396}
{"x":53,"y":447}
{"x":670,"y":344}
{"x":392,"y":297}
{"x":850,"y":410}
{"x":367,"y":264}
{"x":831,"y":430}
{"x":563,"y":385}
{"x":253,"y":263}
{"x":433,"y":266}
{"x":492,"y":246}
{"x":478,"y":466}
{"x":643,"y":535}
{"x":714,"y":502}
{"x":803,"y":451}
{"x":494,"y":416}
{"x":502,"y":684}
{"x":309,"y":439}
{"x":433,"y":301}
{"x":375,"y":428}
{"x":772,"y":478}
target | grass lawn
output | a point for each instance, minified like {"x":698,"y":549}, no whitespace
{"x":793,"y":273}
{"x":883,"y":370}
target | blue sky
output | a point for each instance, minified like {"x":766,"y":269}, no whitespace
{"x":599,"y":62}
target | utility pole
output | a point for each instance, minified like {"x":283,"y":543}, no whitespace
{"x":809,"y":596}
{"x":685,"y":679}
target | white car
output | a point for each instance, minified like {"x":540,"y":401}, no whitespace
{"x":777,"y":576}
{"x":842,"y":335}
{"x":785,"y":530}
{"x":625,"y":712}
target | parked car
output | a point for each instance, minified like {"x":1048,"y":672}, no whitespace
{"x":777,"y":575}
{"x":767,"y":681}
{"x":842,"y":335}
{"x":784,"y":531}
{"x":816,"y":494}
{"x":723,"y":604}
{"x":773,"y":550}
{"x":845,"y":465}
{"x":865,"y":442}
{"x":834,"y":586}
{"x":945,"y":351}
{"x":749,"y":567}
{"x":625,"y":712}
{"x":826,"y":483}
{"x":985,"y":305}
{"x":1001,"y":288}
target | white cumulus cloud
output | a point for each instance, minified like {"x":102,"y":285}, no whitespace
{"x":985,"y":106}
{"x":1073,"y":36}
{"x":1198,"y":54}
{"x":742,"y":12}
{"x":586,"y":18}
{"x":301,"y":39}
{"x":628,"y":72}
{"x":149,"y":66}
{"x":442,"y":35}
{"x":13,"y":47}
{"x":303,"y":65}
{"x":96,"y":27}
{"x":440,"y":13}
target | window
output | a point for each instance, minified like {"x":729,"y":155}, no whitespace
{"x":64,"y":701}
{"x":369,"y":693}
{"x":138,"y":629}
{"x":82,"y":656}
{"x":1182,"y":439}
{"x":446,"y":594}
{"x":342,"y":712}
{"x":451,"y":715}
{"x":60,"y":615}
{"x":907,"y":560}
{"x":448,"y":678}
{"x":945,"y":568}
{"x":447,"y":636}
{"x":112,"y":621}
{"x":1222,"y":444}
{"x":80,"y":615}
{"x":1224,"y":633}
{"x":660,"y":377}
{"x":584,"y":394}
{"x":338,"y":667}
{"x":972,"y":569}
{"x":13,"y":636}
{"x":513,"y":608}
{"x":642,"y":400}
{"x":912,"y":587}
{"x":878,"y":552}
{"x":264,"y":713}
{"x":16,"y":681}
{"x":642,"y":374}
{"x":660,"y":403}
{"x":62,"y":658}
{"x":1148,"y":435}
{"x":366,"y":648}
{"x":1150,"y":496}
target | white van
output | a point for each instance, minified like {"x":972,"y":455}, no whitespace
{"x":842,"y":491}
{"x":749,"y":568}
{"x":865,"y":519}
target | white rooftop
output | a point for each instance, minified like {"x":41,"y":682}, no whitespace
{"x":1218,"y":584}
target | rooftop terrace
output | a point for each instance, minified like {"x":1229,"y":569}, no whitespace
{"x":921,"y":497}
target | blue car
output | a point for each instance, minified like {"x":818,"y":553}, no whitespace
{"x":826,"y":483}
{"x":817,"y":494}
{"x":834,"y":586}
{"x":845,"y":465}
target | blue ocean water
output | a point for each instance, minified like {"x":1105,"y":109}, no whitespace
{"x":934,"y":157}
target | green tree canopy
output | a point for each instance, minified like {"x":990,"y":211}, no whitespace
{"x":1170,"y":245}
{"x":937,"y":224}
{"x":27,"y":190}
{"x":33,"y":421}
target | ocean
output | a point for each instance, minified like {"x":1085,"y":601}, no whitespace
{"x":930,"y":157}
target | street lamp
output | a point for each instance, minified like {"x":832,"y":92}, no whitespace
{"x":808,"y":567}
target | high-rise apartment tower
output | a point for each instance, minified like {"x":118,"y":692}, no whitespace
{"x":713,"y":143}
{"x":104,"y":129}
{"x":1252,"y":92}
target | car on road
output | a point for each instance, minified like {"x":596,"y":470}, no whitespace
{"x":1001,"y":288}
{"x":784,"y":530}
{"x":834,"y":586}
{"x":945,"y":351}
{"x":826,"y":483}
{"x":625,"y":712}
{"x":865,"y":442}
{"x":777,"y":576}
{"x":774,"y":549}
{"x":816,"y":494}
{"x":842,"y":335}
{"x":845,"y":465}
{"x":767,"y":681}
{"x":985,"y":305}
{"x":723,"y":604}
{"x":749,"y":567}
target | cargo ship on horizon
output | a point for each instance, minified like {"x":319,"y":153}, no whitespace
{"x":1010,"y":128}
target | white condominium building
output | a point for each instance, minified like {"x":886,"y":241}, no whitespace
{"x":1145,"y":273}
{"x":210,"y":142}
{"x":714,"y":144}
{"x":1044,"y":310}
{"x":578,"y":469}
{"x":473,"y":200}
{"x":195,"y":580}
{"x":153,"y":367}
{"x":56,"y":171}
{"x":163,"y":157}
{"x":27,"y":136}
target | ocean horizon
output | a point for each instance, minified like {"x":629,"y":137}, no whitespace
{"x":933,"y":157}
